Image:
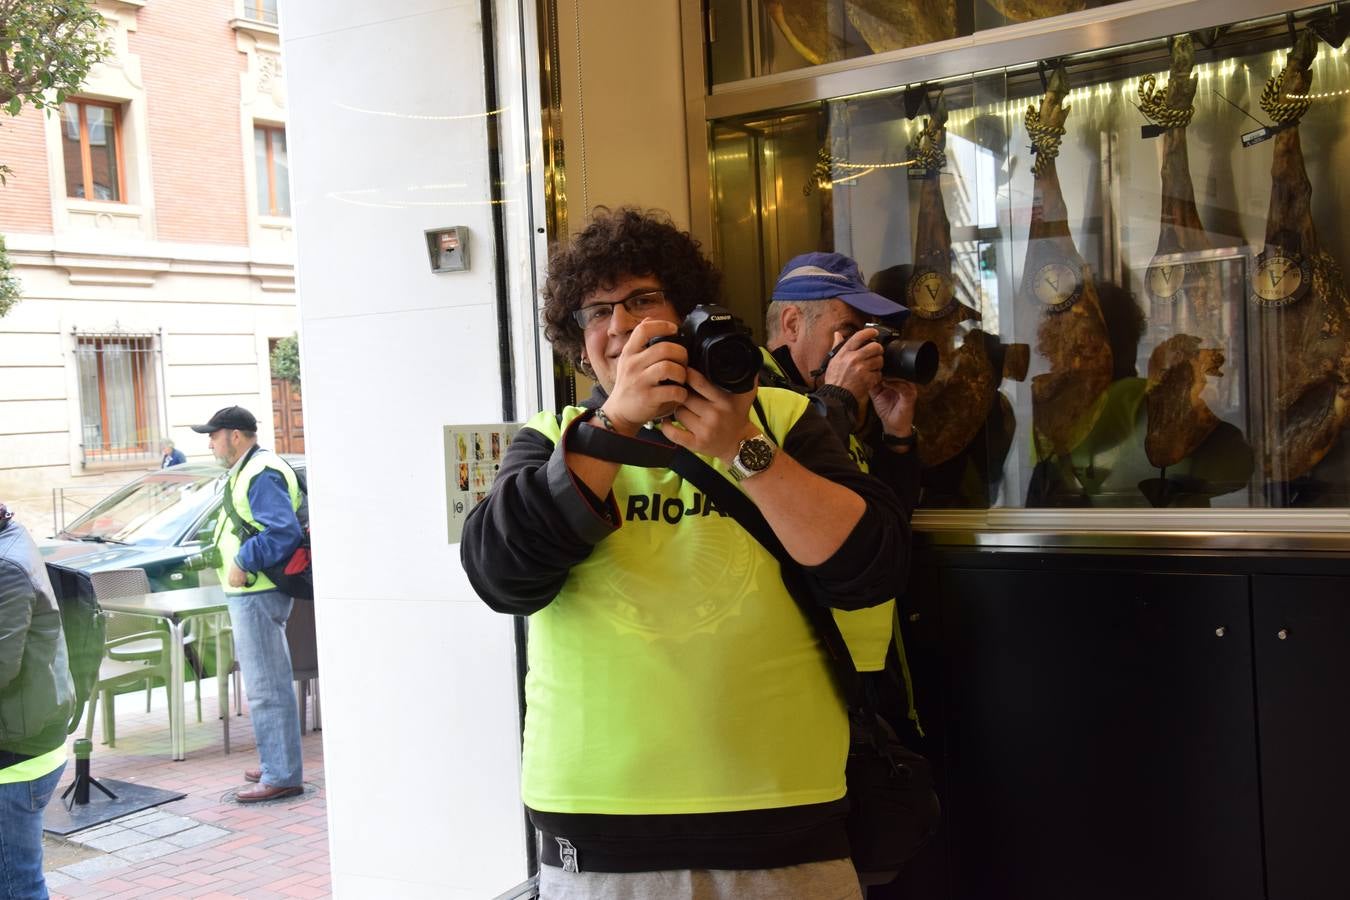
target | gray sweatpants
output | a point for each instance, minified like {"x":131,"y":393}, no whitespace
{"x":832,"y":880}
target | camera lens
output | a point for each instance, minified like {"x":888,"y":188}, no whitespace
{"x":732,"y":362}
{"x":912,"y":361}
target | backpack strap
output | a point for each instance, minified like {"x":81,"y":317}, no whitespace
{"x":740,"y":507}
{"x":652,"y":450}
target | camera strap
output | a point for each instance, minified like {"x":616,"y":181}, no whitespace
{"x":651,"y":449}
{"x":825,"y":363}
{"x":243,"y":530}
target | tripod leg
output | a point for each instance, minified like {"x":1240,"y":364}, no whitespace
{"x":80,"y":786}
{"x":96,"y":783}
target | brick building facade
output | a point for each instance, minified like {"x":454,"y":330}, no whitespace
{"x":149,"y":223}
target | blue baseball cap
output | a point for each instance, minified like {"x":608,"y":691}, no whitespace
{"x":825,"y":276}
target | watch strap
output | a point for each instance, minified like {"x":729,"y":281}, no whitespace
{"x":910,"y":440}
{"x":739,"y":470}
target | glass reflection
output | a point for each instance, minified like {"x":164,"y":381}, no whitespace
{"x":1136,"y":305}
{"x":764,"y":37}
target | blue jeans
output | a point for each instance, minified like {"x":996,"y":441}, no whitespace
{"x":259,"y":622}
{"x":21,"y":806}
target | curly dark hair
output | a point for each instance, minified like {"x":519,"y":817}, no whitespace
{"x":623,"y":242}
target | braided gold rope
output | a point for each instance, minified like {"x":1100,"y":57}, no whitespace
{"x":925,"y":152}
{"x":822,"y":173}
{"x":1153,"y":104}
{"x":1291,"y":110}
{"x":1045,"y":138}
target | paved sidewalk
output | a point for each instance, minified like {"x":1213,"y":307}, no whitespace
{"x":204,"y":845}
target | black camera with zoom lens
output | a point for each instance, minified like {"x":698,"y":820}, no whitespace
{"x":912,"y":361}
{"x":719,"y":347}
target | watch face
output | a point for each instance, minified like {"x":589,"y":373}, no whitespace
{"x":1280,"y":278}
{"x":755,"y":454}
{"x":1057,"y":285}
{"x":930,"y":294}
{"x":1164,"y":280}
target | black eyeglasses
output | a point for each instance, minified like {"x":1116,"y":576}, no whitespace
{"x":640,"y":304}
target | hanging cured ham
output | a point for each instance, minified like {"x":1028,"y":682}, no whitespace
{"x":1303,"y":316}
{"x":953,"y":407}
{"x":815,"y":28}
{"x":1071,"y":336}
{"x":1179,"y":419}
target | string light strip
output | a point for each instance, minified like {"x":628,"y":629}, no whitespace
{"x":894,"y":165}
{"x":1323,"y":96}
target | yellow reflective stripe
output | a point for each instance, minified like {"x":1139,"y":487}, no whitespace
{"x":904,"y":670}
{"x":36,"y":767}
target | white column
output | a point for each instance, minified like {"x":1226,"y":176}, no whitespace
{"x":388,"y":137}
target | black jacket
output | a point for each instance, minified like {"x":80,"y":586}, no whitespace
{"x":899,"y":471}
{"x":519,"y":546}
{"x":37,"y":695}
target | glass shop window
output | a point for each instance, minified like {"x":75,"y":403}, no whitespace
{"x":1131,"y":264}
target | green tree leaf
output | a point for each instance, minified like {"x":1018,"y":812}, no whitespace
{"x":44,"y":46}
{"x":9,"y":285}
{"x":286,"y":359}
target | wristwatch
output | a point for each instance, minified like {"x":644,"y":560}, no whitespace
{"x":910,"y":440}
{"x":754,"y":456}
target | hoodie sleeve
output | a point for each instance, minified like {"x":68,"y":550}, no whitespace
{"x":17,"y":594}
{"x":873,"y":561}
{"x":270,"y":501}
{"x":537,"y":522}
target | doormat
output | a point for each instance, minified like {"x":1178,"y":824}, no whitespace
{"x":130,"y":798}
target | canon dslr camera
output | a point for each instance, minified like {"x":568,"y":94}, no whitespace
{"x":719,"y":347}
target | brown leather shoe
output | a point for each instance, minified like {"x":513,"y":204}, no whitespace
{"x":268,"y":792}
{"x":253,"y":775}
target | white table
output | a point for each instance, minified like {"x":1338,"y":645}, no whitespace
{"x":175,"y":608}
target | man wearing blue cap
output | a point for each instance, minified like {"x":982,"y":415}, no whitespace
{"x":819,"y":346}
{"x":259,"y":528}
{"x":820,"y":302}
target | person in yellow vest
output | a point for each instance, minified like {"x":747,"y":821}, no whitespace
{"x":683,"y":736}
{"x":37,"y":698}
{"x":818,"y":303}
{"x":258,"y":527}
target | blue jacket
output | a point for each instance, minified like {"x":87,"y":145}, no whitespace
{"x":174,"y":457}
{"x":281,"y":534}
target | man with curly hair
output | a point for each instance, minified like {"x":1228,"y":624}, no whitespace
{"x":683,"y":736}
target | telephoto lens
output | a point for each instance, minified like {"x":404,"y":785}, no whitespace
{"x":912,"y":361}
{"x":207,"y":559}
